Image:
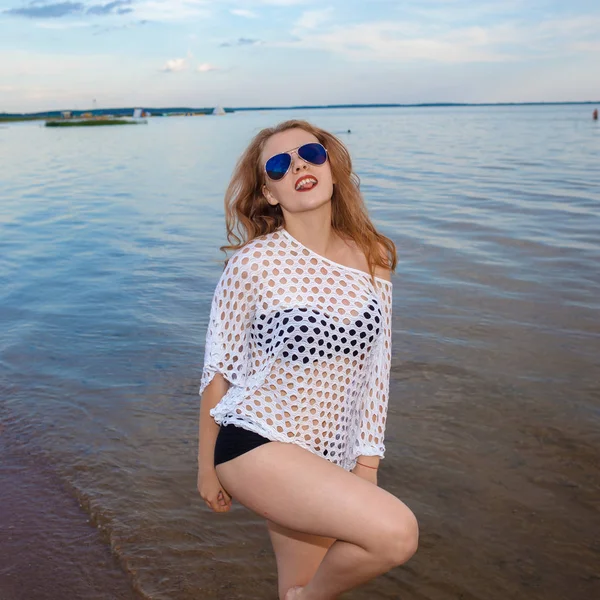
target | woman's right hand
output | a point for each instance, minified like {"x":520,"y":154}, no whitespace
{"x":212,"y":491}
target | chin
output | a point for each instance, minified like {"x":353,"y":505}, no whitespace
{"x":311,"y":202}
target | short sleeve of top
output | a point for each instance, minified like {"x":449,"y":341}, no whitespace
{"x":227,"y":349}
{"x":305,"y":344}
{"x":374,"y":400}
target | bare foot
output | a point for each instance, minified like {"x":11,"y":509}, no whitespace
{"x":294,"y":593}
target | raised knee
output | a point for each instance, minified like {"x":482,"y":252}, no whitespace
{"x":400,"y":540}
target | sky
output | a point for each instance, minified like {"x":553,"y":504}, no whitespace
{"x":81,"y":54}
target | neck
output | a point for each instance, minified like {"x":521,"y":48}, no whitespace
{"x":312,"y":228}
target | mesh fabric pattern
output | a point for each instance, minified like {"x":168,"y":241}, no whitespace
{"x":305,"y":344}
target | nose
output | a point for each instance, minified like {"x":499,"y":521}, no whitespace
{"x":297,"y":163}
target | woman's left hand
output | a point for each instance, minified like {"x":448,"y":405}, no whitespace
{"x":366,"y":473}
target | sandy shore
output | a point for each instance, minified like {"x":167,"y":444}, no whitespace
{"x":48,"y":548}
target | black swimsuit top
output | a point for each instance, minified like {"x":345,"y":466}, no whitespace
{"x":302,"y":334}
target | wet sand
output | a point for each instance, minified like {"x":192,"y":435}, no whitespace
{"x":49,"y":550}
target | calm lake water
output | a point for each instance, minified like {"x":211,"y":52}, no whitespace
{"x":108,"y":260}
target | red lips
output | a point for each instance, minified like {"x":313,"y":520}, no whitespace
{"x":301,"y":179}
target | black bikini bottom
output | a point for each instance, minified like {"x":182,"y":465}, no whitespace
{"x":233,"y":441}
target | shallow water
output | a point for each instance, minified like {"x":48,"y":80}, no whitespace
{"x":108,"y":261}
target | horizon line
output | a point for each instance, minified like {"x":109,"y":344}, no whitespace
{"x":314,"y":106}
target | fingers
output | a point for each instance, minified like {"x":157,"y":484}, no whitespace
{"x":220,"y":507}
{"x":223,"y":497}
{"x":222,"y":503}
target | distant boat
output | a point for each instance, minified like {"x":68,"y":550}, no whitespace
{"x":218,"y":110}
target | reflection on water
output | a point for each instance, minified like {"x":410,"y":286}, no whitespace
{"x":108,"y":260}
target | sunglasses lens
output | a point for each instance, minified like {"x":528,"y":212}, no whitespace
{"x":313,"y":153}
{"x":277,"y":166}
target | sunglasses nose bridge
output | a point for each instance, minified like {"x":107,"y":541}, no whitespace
{"x":297,"y":161}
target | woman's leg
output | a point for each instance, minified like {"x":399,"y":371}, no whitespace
{"x":291,"y":486}
{"x":298,"y":555}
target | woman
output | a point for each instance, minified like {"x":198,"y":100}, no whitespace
{"x":296,"y":369}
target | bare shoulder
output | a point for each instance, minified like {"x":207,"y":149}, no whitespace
{"x":355,"y":257}
{"x":383,"y":272}
{"x":351,"y":254}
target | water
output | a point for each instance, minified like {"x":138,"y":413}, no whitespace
{"x":108,"y":259}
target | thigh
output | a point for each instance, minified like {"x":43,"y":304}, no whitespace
{"x":299,"y":490}
{"x":298,"y":555}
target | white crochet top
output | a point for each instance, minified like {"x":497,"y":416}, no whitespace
{"x":305,"y":343}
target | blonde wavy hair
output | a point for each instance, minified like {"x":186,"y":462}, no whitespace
{"x":248,"y":215}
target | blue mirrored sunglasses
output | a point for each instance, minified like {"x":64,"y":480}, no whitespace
{"x":277,"y":166}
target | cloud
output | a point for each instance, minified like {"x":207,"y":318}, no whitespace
{"x":47,"y":11}
{"x":175,"y":65}
{"x":393,"y":42}
{"x":242,"y":12}
{"x":119,"y":7}
{"x":205,"y":68}
{"x":142,"y":10}
{"x":37,"y":9}
{"x":242,"y":42}
{"x":311,"y":19}
{"x":407,"y":41}
{"x":171,"y":10}
{"x":129,"y":25}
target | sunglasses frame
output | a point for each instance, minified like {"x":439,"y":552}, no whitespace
{"x":289,"y":152}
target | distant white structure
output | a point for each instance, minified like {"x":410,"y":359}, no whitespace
{"x":218,"y":110}
{"x":137,"y":113}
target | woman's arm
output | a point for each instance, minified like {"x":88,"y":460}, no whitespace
{"x":209,"y":486}
{"x":374,"y":407}
{"x":226,"y":362}
{"x":208,"y":429}
{"x":366,"y":467}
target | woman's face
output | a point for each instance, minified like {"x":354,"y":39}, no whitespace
{"x":295,"y":192}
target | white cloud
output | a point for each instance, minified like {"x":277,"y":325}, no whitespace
{"x":242,"y":12}
{"x":206,"y":67}
{"x":311,"y":19}
{"x":405,"y":41}
{"x":391,"y":42}
{"x":171,"y":10}
{"x":461,"y":11}
{"x":175,"y":65}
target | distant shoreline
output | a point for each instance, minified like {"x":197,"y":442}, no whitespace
{"x":418,"y":105}
{"x":172,"y":111}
